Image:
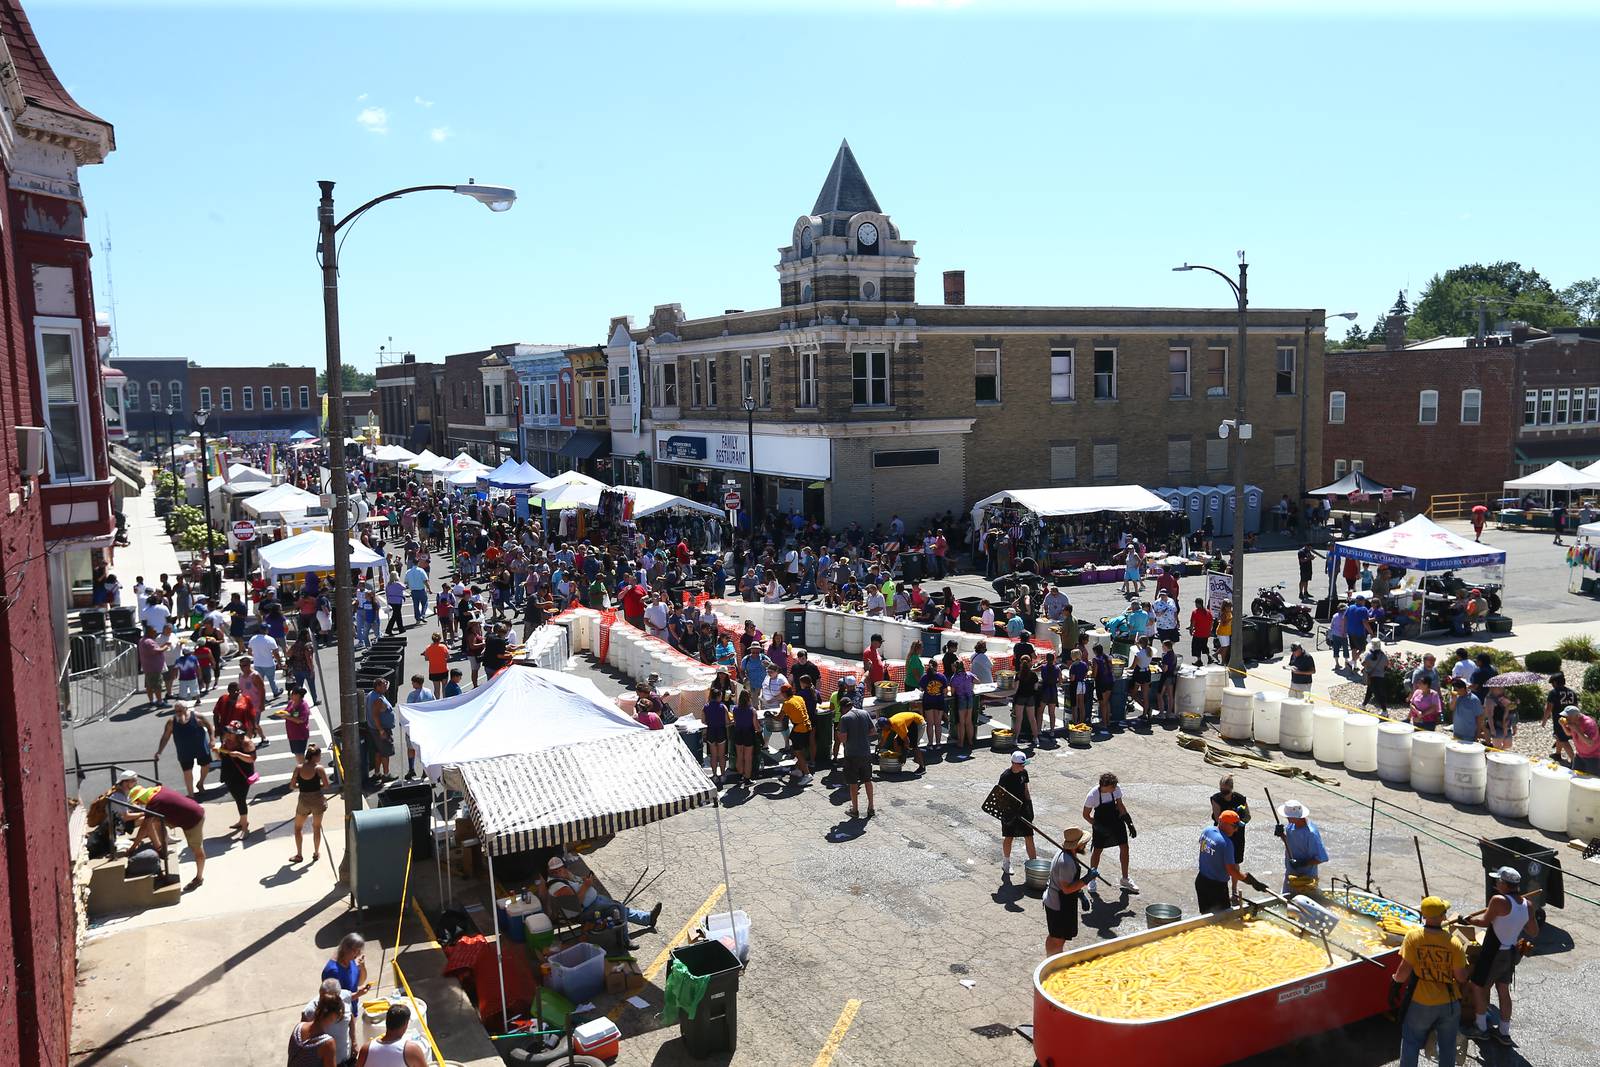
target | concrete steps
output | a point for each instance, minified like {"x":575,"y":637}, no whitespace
{"x":111,"y":892}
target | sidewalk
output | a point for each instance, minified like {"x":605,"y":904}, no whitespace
{"x":150,"y":551}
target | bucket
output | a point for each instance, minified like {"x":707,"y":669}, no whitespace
{"x":1077,"y":738}
{"x":1360,"y":742}
{"x":886,"y":691}
{"x":1583,"y":808}
{"x":1327,"y":735}
{"x":1266,"y":717}
{"x":1036,"y":873}
{"x":1193,"y":722}
{"x":1548,"y":789}
{"x":1002,"y":741}
{"x":889,"y":764}
{"x":1161,"y":914}
{"x":1238,"y":712}
{"x":1508,"y":783}
{"x":1005,"y":681}
{"x":1294,"y":725}
{"x":1466,"y":774}
{"x":1394,"y":752}
{"x":1427,"y":761}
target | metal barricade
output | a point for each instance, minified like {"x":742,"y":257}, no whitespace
{"x":100,"y":673}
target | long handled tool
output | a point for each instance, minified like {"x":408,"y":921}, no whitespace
{"x":1004,"y":805}
{"x":1326,"y":943}
{"x":1417,"y":843}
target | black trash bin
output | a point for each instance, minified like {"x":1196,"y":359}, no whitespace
{"x":794,"y":626}
{"x":417,"y":797}
{"x":911,"y":567}
{"x":971,"y":608}
{"x":715,"y":1026}
{"x":822,"y":729}
{"x":1539,"y":865}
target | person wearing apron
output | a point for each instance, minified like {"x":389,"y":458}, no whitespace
{"x":1111,"y":825}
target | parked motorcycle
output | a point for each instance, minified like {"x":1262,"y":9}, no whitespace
{"x":1269,"y":604}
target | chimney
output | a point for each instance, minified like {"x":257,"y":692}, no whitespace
{"x":955,"y":287}
{"x":1394,"y":332}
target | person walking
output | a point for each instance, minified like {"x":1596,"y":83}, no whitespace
{"x":191,"y":737}
{"x":1063,"y":891}
{"x":854,"y":738}
{"x":1200,"y":624}
{"x":394,"y":594}
{"x":1437,"y":961}
{"x":310,"y":785}
{"x":1014,"y":780}
{"x":1374,"y":671}
{"x":417,"y":584}
{"x":302,"y":663}
{"x":437,"y":655}
{"x":1103,"y":809}
{"x":238,"y":753}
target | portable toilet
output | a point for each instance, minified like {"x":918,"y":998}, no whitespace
{"x":1173,"y":497}
{"x":1221,"y":518}
{"x":1253,"y":498}
{"x":1194,"y":506}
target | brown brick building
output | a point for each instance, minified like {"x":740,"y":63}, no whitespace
{"x":250,"y":404}
{"x":410,"y":404}
{"x":869,"y":404}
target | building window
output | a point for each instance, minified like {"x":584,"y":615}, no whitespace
{"x":697,"y":385}
{"x":907,"y":457}
{"x":205,"y":398}
{"x":305,"y":398}
{"x":1530,"y":407}
{"x":175,"y":394}
{"x":227,"y":398}
{"x":1563,"y":397}
{"x":1180,"y":453}
{"x":746,"y":388}
{"x":284,"y":396}
{"x":869,"y":291}
{"x":247,"y":397}
{"x":805,"y":293}
{"x":1336,"y":408}
{"x":1177,"y":372}
{"x":1340,"y":469}
{"x":1063,"y":463}
{"x":765,"y":399}
{"x":588,"y":395}
{"x":870,"y":379}
{"x":1471,"y":407}
{"x":1283,"y":451}
{"x":666,"y":385}
{"x":61,"y":370}
{"x":497,"y":395}
{"x":600,"y":396}
{"x":1061,"y":384}
{"x":1286,"y":370}
{"x":1216,"y":454}
{"x":1428,"y":407}
{"x":711,"y":381}
{"x":1358,"y":466}
{"x":622,"y":383}
{"x":1105,"y":460}
{"x":1105,"y":374}
{"x":987,"y":376}
{"x":155,"y":395}
{"x":1547,"y":407}
{"x":133,"y":392}
{"x":1217,"y":370}
{"x":1592,"y":412}
{"x":266,"y":398}
{"x":808,"y":380}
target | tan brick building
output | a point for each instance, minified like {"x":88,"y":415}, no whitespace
{"x":869,"y":404}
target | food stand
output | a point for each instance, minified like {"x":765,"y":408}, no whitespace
{"x":1419,"y":544}
{"x":1034,"y":509}
{"x":1556,"y":478}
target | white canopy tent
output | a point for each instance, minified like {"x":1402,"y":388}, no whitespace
{"x":1075,"y":500}
{"x":313,"y":551}
{"x":650,"y":501}
{"x":426,"y":460}
{"x":1591,"y":529}
{"x":1557,"y":476}
{"x":574,"y":490}
{"x":281,"y":499}
{"x":1419,"y":544}
{"x":392,"y":454}
{"x":461,"y":479}
{"x":568,"y":478}
{"x":463,"y":462}
{"x":514,"y":474}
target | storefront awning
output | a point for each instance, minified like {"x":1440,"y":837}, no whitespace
{"x":585,"y":444}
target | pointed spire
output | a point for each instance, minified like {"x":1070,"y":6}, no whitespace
{"x":846,"y":189}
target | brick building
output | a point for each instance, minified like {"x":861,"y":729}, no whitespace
{"x":361,"y":412}
{"x":869,"y":404}
{"x":411,"y":404}
{"x":58,"y":479}
{"x":466,"y":429}
{"x":1558,"y":386}
{"x":152,"y":383}
{"x":253,"y":404}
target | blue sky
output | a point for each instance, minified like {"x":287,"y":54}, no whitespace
{"x":1059,"y":153}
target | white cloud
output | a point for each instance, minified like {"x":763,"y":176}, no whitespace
{"x":360,"y":98}
{"x":374,"y":119}
{"x":439,"y":134}
{"x":421,"y":102}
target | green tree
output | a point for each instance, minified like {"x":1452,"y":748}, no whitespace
{"x":354,"y":381}
{"x":1450,"y":302}
{"x":1583,"y":299}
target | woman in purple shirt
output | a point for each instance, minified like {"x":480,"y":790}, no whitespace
{"x":961,"y":684}
{"x":1078,"y":679}
{"x":744,"y":738}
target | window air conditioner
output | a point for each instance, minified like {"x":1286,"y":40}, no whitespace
{"x":30,"y":451}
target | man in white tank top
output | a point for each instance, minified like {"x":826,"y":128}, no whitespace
{"x":393,"y":1049}
{"x":1509,"y":919}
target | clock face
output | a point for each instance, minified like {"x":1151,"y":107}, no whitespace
{"x":867,"y":234}
{"x":805,"y":241}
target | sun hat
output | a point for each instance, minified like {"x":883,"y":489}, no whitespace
{"x":126,"y":776}
{"x":1072,"y":839}
{"x":1293,"y":809}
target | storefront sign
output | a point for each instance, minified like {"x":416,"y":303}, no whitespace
{"x":790,"y":457}
{"x":673,"y":448}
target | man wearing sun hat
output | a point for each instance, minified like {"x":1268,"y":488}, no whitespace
{"x":1303,"y":850}
{"x":1068,"y":877}
{"x":1439,"y":964}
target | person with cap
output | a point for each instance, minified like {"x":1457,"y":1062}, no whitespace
{"x":854,"y":736}
{"x":594,"y":905}
{"x":802,"y":738}
{"x":1511,"y":927}
{"x":1218,"y":868}
{"x":1374,"y":671}
{"x":1302,"y":668}
{"x":163,"y":807}
{"x":1585,"y":735}
{"x":1303,"y":850}
{"x":902,"y":733}
{"x":1437,"y":961}
{"x":1014,"y":780}
{"x":1062,"y":890}
{"x":1112,"y":825}
{"x":802,"y":667}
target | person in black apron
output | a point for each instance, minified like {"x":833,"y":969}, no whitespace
{"x":1226,"y":799}
{"x":1111,"y":825}
{"x":1015,"y":782}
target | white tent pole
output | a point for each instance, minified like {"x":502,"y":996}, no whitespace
{"x":435,"y":810}
{"x":716,"y":804}
{"x":499,"y":958}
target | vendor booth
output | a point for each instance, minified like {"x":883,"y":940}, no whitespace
{"x":1072,"y":531}
{"x":513,"y":474}
{"x":1428,"y":598}
{"x":279,"y":501}
{"x":1528,"y":500}
{"x":1583,"y":561}
{"x":312,"y":552}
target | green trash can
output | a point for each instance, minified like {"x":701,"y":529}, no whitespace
{"x":715,"y":1026}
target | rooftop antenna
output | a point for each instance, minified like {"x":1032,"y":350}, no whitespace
{"x":111,"y":293}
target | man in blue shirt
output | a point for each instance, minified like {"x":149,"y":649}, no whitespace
{"x":1218,"y":868}
{"x":1468,"y":712}
{"x":1357,"y":626}
{"x":1302,"y":843}
{"x":416,"y":580}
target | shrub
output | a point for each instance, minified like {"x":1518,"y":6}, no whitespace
{"x":193,"y":538}
{"x":1544,"y":661}
{"x":1528,"y":700}
{"x":166,"y":484}
{"x":1579,"y":647}
{"x":1589,"y":703}
{"x":1504,"y":662}
{"x":1591,"y":678}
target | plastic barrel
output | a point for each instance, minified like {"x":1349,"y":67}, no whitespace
{"x":814,"y":628}
{"x":1327,"y":735}
{"x":1191,"y":692}
{"x":1466,"y":774}
{"x":1294,"y":725}
{"x":1548,"y":789}
{"x":832,"y":629}
{"x":1216,"y":682}
{"x":1508,"y":783}
{"x":1266,"y":718}
{"x":1237,"y":714}
{"x":1394,"y":752}
{"x":1360,"y":742}
{"x":1583,"y":808}
{"x":1427,"y":761}
{"x":851,"y":640}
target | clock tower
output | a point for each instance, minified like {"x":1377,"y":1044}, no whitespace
{"x":847,"y":249}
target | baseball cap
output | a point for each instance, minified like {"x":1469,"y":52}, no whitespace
{"x":555,"y":864}
{"x":126,"y":776}
{"x":1508,"y":875}
{"x":1018,"y":758}
{"x":1228,"y":818}
{"x":1433,"y":907}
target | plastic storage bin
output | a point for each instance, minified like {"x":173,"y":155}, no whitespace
{"x":736,"y":929}
{"x":579,"y":972}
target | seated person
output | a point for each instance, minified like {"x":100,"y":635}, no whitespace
{"x":1460,"y":621}
{"x":562,"y":883}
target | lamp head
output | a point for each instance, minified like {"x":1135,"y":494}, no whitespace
{"x":493,"y":197}
{"x":1342,"y":315}
{"x":1184,"y":267}
{"x":201,"y":417}
{"x":749,"y":402}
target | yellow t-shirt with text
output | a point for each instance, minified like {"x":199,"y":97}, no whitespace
{"x":1435,"y":957}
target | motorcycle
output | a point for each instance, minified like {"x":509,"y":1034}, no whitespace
{"x":1269,"y":604}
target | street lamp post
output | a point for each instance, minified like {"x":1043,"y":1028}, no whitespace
{"x":750,"y":452}
{"x":496,"y":198}
{"x":1241,"y":292}
{"x":1305,"y":399}
{"x":215,"y":585}
{"x":172,"y":451}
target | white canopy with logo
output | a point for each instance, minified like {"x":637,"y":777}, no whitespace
{"x":313,"y":551}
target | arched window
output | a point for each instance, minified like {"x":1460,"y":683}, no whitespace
{"x":805,"y":294}
{"x":869,"y":291}
{"x":175,"y":393}
{"x":807,"y":246}
{"x":155,"y":395}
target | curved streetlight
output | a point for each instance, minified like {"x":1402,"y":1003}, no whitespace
{"x":496,"y":198}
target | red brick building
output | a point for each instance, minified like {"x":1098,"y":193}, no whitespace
{"x":57,"y":484}
{"x":255,"y":404}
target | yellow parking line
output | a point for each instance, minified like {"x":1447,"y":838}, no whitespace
{"x":836,"y":1038}
{"x":427,"y":927}
{"x":683,"y":935}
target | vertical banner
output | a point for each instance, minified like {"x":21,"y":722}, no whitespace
{"x":1219,"y":591}
{"x":635,"y":385}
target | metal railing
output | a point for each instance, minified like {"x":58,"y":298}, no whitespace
{"x":100,"y":673}
{"x":1458,"y":505}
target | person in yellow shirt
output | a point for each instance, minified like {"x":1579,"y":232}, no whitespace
{"x":1439,"y":964}
{"x":903,"y":732}
{"x":801,"y":738}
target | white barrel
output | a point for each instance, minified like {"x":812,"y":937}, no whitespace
{"x":1266,"y":716}
{"x":1236,"y":714}
{"x":1360,"y":742}
{"x":814,"y":633}
{"x":833,"y":630}
{"x":851,"y":637}
{"x":1583,"y":808}
{"x":1509,"y":779}
{"x":1548,"y":790}
{"x":1216,"y":682}
{"x":1294,"y":725}
{"x":1394,"y":752}
{"x":1466,"y":775}
{"x":1327,"y":735}
{"x":1427,"y":761}
{"x":1191,"y":692}
{"x":894,"y":642}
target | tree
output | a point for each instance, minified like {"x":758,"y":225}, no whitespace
{"x":1451,"y":302}
{"x":354,"y":381}
{"x":1583,"y":299}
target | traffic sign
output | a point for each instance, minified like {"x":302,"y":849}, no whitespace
{"x":730,"y":500}
{"x":244,"y":531}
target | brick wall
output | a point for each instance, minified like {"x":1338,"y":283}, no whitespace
{"x":1381,"y":428}
{"x":258,"y":416}
{"x":867,"y":494}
